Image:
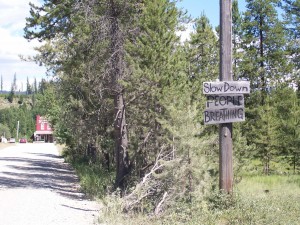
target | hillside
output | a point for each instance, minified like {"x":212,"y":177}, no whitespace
{"x":4,"y":103}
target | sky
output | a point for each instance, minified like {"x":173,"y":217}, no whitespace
{"x":12,"y":43}
{"x":211,"y":8}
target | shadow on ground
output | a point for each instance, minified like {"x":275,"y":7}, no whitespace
{"x":46,"y":171}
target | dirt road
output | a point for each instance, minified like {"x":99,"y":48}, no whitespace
{"x":38,"y":188}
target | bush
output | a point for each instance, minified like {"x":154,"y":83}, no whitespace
{"x":4,"y":130}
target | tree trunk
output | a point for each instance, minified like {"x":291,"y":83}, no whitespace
{"x":117,"y":72}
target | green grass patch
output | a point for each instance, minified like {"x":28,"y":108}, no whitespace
{"x":94,"y":180}
{"x":257,"y":200}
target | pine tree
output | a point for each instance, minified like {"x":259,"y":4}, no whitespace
{"x":35,"y":86}
{"x":237,"y":39}
{"x":11,"y":94}
{"x":163,"y":116}
{"x":154,"y":68}
{"x":292,"y":21}
{"x":28,"y":88}
{"x":203,"y":57}
{"x":204,"y":54}
{"x":87,"y":54}
{"x":264,"y":45}
{"x":289,"y":125}
{"x":265,"y":64}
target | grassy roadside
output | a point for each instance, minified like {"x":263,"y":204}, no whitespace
{"x":257,"y":200}
{"x":94,"y":179}
{"x":266,"y":200}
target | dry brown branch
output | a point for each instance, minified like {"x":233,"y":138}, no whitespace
{"x":158,"y":208}
{"x":148,"y":186}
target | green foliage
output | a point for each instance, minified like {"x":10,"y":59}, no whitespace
{"x":26,"y":118}
{"x":125,"y":61}
{"x":21,"y":99}
{"x":11,"y":95}
{"x":258,"y":200}
{"x":29,"y":90}
{"x":4,"y":131}
{"x":95,"y":180}
{"x":203,"y":55}
{"x":289,"y":126}
{"x":264,"y":42}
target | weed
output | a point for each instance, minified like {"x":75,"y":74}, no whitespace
{"x":250,"y":204}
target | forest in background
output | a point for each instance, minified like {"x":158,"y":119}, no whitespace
{"x":22,"y":106}
{"x":126,"y":96}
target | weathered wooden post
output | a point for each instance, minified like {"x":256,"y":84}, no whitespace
{"x":225,"y":129}
{"x":225,"y":99}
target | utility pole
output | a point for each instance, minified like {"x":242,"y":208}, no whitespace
{"x":225,"y":129}
{"x":18,"y":126}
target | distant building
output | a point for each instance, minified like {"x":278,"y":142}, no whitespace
{"x":43,"y":130}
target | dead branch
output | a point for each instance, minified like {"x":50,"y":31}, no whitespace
{"x":135,"y":197}
{"x":158,"y":207}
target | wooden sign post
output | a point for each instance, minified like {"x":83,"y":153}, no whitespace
{"x":225,"y":129}
{"x":225,"y":99}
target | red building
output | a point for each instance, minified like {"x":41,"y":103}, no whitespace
{"x":43,"y":130}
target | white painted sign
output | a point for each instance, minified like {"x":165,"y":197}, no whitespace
{"x":224,"y":115}
{"x":224,"y":101}
{"x":226,"y":87}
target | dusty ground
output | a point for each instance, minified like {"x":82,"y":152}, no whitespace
{"x":38,"y":188}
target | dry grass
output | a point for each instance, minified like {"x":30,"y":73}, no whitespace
{"x":60,"y":148}
{"x":4,"y":103}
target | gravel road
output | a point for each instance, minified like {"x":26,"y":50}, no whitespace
{"x":38,"y":188}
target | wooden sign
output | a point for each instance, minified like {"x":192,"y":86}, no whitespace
{"x":224,"y":115}
{"x":224,"y":101}
{"x":226,"y":87}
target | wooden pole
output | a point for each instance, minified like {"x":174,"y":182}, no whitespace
{"x":225,"y":129}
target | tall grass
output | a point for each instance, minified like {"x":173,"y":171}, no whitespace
{"x":257,"y":200}
{"x":95,"y":180}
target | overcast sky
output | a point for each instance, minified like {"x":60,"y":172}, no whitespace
{"x":12,"y":43}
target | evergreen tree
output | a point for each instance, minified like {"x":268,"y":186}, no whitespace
{"x":237,"y":39}
{"x":42,"y":86}
{"x":11,"y":94}
{"x":90,"y":64}
{"x":163,"y":115}
{"x":28,"y":88}
{"x":289,"y":125}
{"x":265,"y":64}
{"x":204,"y":54}
{"x":264,"y":45}
{"x":292,"y":21}
{"x":203,"y":57}
{"x":153,"y":58}
{"x":4,"y":131}
{"x":35,"y":86}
